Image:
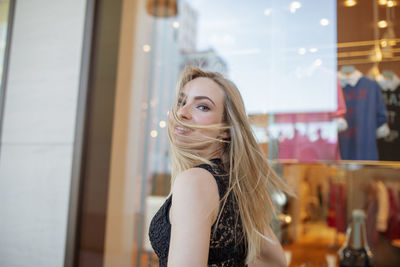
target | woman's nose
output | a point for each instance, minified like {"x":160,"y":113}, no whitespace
{"x":184,"y":112}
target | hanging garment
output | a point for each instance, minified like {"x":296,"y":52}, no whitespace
{"x":337,"y":207}
{"x":371,"y":208}
{"x":389,"y":147}
{"x":393,"y":231}
{"x":383,"y":207}
{"x":365,"y":113}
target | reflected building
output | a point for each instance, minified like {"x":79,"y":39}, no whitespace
{"x":174,"y":46}
{"x":207,"y":60}
{"x":188,"y":23}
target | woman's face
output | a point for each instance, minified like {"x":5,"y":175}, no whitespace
{"x":201,"y":102}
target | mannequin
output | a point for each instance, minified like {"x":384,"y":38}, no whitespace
{"x":389,"y":147}
{"x":366,"y":115}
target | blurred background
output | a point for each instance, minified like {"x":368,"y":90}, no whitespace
{"x":86,"y":85}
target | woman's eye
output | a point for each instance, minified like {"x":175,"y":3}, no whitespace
{"x":203,"y":108}
{"x":181,"y":103}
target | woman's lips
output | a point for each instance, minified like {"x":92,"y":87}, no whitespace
{"x":181,"y":130}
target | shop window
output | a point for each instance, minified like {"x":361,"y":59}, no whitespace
{"x":320,"y":81}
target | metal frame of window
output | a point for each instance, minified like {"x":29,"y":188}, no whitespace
{"x":11,"y":10}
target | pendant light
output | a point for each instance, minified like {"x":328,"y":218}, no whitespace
{"x":162,"y":8}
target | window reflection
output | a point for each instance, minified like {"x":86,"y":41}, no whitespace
{"x":4,"y":8}
{"x":284,"y":56}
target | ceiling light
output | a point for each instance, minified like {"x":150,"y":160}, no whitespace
{"x":376,"y":55}
{"x":301,"y":51}
{"x":294,"y":6}
{"x":153,"y":133}
{"x":267,"y":11}
{"x":162,"y":9}
{"x":313,"y":49}
{"x":318,"y":62}
{"x":382,"y":24}
{"x":350,"y":3}
{"x":175,"y":24}
{"x":382,"y":2}
{"x":324,"y":22}
{"x":391,"y":3}
{"x":162,"y":124}
{"x":146,"y":48}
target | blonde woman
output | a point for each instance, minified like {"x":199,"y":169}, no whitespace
{"x":220,"y":207}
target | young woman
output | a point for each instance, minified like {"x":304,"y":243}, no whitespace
{"x":220,"y":207}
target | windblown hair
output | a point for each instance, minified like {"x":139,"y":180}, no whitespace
{"x":252,"y":180}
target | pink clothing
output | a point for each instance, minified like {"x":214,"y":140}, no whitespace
{"x":309,"y":137}
{"x":337,"y":207}
{"x":393,"y":231}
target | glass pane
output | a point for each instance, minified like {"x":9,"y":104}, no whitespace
{"x":4,"y":9}
{"x":298,"y":65}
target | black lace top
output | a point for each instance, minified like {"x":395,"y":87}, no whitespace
{"x":227,"y":245}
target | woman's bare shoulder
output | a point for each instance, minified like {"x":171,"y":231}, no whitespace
{"x":195,"y":181}
{"x":195,"y":192}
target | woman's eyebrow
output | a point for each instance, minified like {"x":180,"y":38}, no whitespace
{"x":182,"y":95}
{"x":204,"y":97}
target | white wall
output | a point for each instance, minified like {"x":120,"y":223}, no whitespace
{"x":38,"y":131}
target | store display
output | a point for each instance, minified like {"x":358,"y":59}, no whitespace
{"x":366,"y":112}
{"x":393,"y":223}
{"x":383,"y":207}
{"x":371,"y":208}
{"x":383,"y":214}
{"x":337,"y":206}
{"x":309,"y":137}
{"x":389,"y":147}
{"x":355,"y":252}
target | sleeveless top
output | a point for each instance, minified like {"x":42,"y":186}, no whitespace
{"x":227,"y":244}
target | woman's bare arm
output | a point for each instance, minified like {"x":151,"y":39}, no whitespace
{"x":272,"y":254}
{"x":195,"y":202}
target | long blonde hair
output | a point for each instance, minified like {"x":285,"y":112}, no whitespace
{"x":252,"y":180}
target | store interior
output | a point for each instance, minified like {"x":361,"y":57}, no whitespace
{"x":331,"y":171}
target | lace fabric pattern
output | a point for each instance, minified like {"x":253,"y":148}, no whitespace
{"x":227,"y":242}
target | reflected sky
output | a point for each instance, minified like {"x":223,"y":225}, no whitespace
{"x":281,"y":54}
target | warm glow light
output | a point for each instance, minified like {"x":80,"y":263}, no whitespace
{"x":294,"y":6}
{"x":267,"y":11}
{"x":350,"y":3}
{"x":162,"y":124}
{"x":146,"y":48}
{"x":175,"y":24}
{"x":313,"y":49}
{"x":391,"y":3}
{"x":382,"y":2}
{"x":383,"y":43}
{"x":382,"y":24}
{"x":301,"y":51}
{"x":324,"y":22}
{"x":378,"y":54}
{"x":153,"y":133}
